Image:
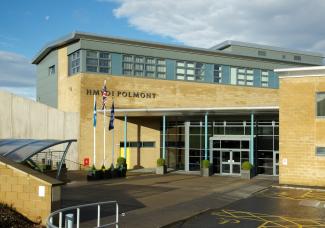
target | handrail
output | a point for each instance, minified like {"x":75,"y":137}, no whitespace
{"x":50,"y":224}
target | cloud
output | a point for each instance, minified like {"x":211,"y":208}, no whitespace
{"x":17,"y":74}
{"x":294,"y":24}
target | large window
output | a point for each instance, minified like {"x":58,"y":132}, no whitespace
{"x":217,"y":73}
{"x":144,"y":66}
{"x":320,"y":99}
{"x":191,"y":71}
{"x":98,"y":61}
{"x":241,"y":76}
{"x":265,"y":78}
{"x":74,"y":63}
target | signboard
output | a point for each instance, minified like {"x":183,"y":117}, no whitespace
{"x":86,"y":161}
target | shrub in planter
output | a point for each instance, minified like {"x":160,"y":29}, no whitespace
{"x":161,"y":167}
{"x":246,"y":170}
{"x":205,"y":168}
{"x":91,"y":175}
{"x":121,"y":167}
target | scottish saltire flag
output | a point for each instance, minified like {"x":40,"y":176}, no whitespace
{"x":95,"y":115}
{"x":104,"y":94}
{"x":111,"y":122}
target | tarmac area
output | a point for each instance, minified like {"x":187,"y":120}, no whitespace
{"x":178,"y":200}
{"x":272,"y":207}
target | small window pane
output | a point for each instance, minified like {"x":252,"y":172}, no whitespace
{"x":104,"y":69}
{"x":104,"y":55}
{"x":92,"y":54}
{"x":320,"y":151}
{"x":320,"y":104}
{"x":103,"y":62}
{"x":91,"y":68}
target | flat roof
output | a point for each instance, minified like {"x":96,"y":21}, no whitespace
{"x":228,"y":43}
{"x":195,"y":111}
{"x":77,"y":35}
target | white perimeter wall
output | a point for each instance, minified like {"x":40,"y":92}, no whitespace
{"x":22,"y":118}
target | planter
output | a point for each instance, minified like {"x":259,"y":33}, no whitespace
{"x":247,"y":174}
{"x":161,"y":170}
{"x":206,"y":172}
{"x":95,"y":175}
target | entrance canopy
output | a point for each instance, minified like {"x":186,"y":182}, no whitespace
{"x":20,"y":150}
{"x":196,"y":111}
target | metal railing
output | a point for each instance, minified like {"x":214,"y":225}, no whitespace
{"x":50,"y":224}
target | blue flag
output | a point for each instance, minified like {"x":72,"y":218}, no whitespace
{"x":111,"y":122}
{"x":95,"y":115}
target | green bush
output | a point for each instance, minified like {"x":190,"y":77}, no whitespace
{"x":103,"y":167}
{"x":121,"y":162}
{"x":246,"y":166}
{"x":160,"y":162}
{"x":205,"y":163}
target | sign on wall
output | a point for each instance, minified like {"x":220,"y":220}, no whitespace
{"x":123,"y":93}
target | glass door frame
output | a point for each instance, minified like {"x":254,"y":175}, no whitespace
{"x":231,"y":162}
{"x":275,"y":164}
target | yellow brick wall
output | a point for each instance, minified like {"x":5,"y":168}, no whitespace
{"x":20,"y":190}
{"x":301,"y":131}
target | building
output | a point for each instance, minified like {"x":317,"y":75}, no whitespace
{"x":181,"y":103}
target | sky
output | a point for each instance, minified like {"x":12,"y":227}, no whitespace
{"x":26,"y":26}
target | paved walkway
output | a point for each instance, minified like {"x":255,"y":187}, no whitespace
{"x":149,"y":200}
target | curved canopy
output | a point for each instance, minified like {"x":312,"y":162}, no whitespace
{"x":20,"y":150}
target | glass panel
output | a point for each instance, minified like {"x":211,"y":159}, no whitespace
{"x":103,"y":62}
{"x":245,"y":144}
{"x":226,"y":168}
{"x":230,"y":144}
{"x":277,"y":158}
{"x":90,"y":61}
{"x":104,"y":55}
{"x":236,"y":156}
{"x":216,"y":143}
{"x":320,"y":104}
{"x":225,"y":156}
{"x":104,"y":69}
{"x":92,"y":54}
{"x":91,"y":69}
{"x":265,"y":142}
{"x":236,"y":168}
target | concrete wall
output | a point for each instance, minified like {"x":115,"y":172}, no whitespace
{"x":301,"y":131}
{"x":24,"y":118}
{"x":20,"y":189}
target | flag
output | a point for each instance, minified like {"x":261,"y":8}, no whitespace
{"x":111,"y":122}
{"x":104,"y":94}
{"x":95,"y":114}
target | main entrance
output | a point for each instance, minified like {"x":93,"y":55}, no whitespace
{"x":228,"y":152}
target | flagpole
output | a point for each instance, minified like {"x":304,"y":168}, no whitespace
{"x":94,"y":156}
{"x":104,"y":135}
{"x":113,"y":144}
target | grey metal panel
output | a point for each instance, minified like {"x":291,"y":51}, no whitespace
{"x":83,"y":56}
{"x":208,"y":76}
{"x":225,"y":74}
{"x":276,"y":80}
{"x":272,"y":80}
{"x":46,"y":85}
{"x":73,"y":47}
{"x":171,"y":69}
{"x":257,"y":77}
{"x":213,"y":58}
{"x":116,"y":64}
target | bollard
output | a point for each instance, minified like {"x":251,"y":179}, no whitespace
{"x":68,"y":221}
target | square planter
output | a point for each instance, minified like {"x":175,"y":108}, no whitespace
{"x":206,"y":172}
{"x":247,"y":174}
{"x":161,"y":170}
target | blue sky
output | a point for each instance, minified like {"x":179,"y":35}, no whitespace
{"x":27,"y":25}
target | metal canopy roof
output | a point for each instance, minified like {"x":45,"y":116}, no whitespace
{"x":143,"y":112}
{"x":20,"y":150}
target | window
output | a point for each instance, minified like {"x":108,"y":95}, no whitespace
{"x":74,"y":63}
{"x":144,"y":66}
{"x":265,"y":78}
{"x":138,"y":144}
{"x":190,"y":71}
{"x":98,"y":61}
{"x":297,"y":58}
{"x":261,"y":53}
{"x":320,"y":151}
{"x":320,"y":99}
{"x":217,"y":73}
{"x":52,"y":70}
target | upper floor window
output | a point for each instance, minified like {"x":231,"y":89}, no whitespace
{"x":320,"y":151}
{"x":52,"y":70}
{"x":217,"y":73}
{"x":265,"y":78}
{"x":320,"y":99}
{"x":261,"y":53}
{"x":186,"y":70}
{"x":98,"y":61}
{"x":297,"y":58}
{"x":74,"y":62}
{"x":144,"y":66}
{"x":241,"y":76}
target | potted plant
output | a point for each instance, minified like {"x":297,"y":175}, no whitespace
{"x":205,"y":168}
{"x":246,"y":170}
{"x":121,"y":167}
{"x":161,"y":168}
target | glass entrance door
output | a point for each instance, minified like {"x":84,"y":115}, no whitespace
{"x":276,"y":163}
{"x":230,"y":162}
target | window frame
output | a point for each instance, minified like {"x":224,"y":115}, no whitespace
{"x":316,"y":106}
